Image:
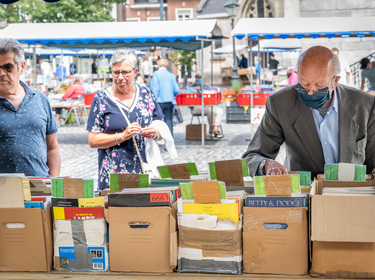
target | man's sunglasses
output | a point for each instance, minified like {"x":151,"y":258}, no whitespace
{"x":8,"y":67}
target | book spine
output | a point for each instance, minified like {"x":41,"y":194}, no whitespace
{"x":275,"y":202}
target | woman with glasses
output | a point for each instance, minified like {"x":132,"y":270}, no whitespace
{"x":120,"y":115}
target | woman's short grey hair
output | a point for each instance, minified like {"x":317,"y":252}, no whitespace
{"x":8,"y":45}
{"x":77,"y":77}
{"x":336,"y":67}
{"x":124,"y":54}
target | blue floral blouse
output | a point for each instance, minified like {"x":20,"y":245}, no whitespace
{"x":105,"y":117}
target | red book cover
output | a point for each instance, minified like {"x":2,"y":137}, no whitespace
{"x":73,"y":213}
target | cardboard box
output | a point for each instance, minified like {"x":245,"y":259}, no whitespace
{"x":342,"y":218}
{"x":342,"y":231}
{"x":208,"y":244}
{"x":80,"y":245}
{"x":194,"y":132}
{"x":25,"y":239}
{"x":343,"y":259}
{"x":275,"y":240}
{"x":142,"y":239}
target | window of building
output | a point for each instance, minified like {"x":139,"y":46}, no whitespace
{"x":133,"y":19}
{"x":153,"y":19}
{"x":260,"y":9}
{"x":184,"y":14}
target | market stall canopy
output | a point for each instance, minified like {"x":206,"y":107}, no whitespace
{"x":184,"y":35}
{"x":269,"y":28}
{"x":228,"y":49}
{"x":279,"y":45}
{"x":45,"y":51}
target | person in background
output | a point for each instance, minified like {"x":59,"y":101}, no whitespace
{"x":286,"y":82}
{"x":28,"y":142}
{"x":108,"y":130}
{"x":345,"y":73}
{"x":85,"y":84}
{"x":45,"y":70}
{"x":74,"y":91}
{"x":214,"y":113}
{"x":170,"y":65}
{"x":61,"y":72}
{"x":94,"y":67}
{"x":243,"y":62}
{"x":319,"y":121}
{"x":165,"y":88}
{"x":145,"y":67}
{"x":258,"y":68}
{"x":368,"y":72}
{"x":273,"y":64}
{"x":141,"y":81}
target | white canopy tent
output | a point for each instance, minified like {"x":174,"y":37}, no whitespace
{"x":270,"y":28}
{"x":183,"y":35}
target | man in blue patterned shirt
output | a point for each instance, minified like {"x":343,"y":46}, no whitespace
{"x":28,"y":142}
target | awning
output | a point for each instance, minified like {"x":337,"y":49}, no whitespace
{"x":228,"y":49}
{"x":269,"y":28}
{"x":183,"y":35}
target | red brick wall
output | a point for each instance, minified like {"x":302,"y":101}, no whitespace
{"x":169,"y":12}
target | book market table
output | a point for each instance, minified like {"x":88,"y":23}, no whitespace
{"x":149,"y":276}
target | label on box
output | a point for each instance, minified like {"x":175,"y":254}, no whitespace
{"x":67,"y":253}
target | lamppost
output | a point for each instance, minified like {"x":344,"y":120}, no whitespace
{"x":231,"y":7}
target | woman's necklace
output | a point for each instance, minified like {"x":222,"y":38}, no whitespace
{"x":13,"y":98}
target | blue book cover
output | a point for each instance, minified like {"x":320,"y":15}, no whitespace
{"x":292,"y":201}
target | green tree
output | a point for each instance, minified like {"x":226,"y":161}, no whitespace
{"x":61,"y":11}
{"x":185,"y":60}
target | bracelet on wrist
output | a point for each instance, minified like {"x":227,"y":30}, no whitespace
{"x":118,"y":144}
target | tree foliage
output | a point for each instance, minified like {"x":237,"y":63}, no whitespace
{"x":185,"y":60}
{"x":61,"y":11}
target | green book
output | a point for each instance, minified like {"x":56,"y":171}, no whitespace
{"x":57,"y":185}
{"x":349,"y":172}
{"x":164,"y":172}
{"x":213,"y":174}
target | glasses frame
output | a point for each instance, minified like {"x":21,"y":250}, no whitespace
{"x":11,"y":65}
{"x":301,"y":89}
{"x":123,"y":73}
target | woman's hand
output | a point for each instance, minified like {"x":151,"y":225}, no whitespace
{"x":150,"y":132}
{"x":132,"y":129}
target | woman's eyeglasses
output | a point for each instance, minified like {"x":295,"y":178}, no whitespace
{"x":8,"y":67}
{"x":124,"y":73}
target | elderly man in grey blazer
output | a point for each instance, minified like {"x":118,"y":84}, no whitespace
{"x":318,"y":120}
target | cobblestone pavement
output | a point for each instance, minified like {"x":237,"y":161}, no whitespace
{"x":78,"y":160}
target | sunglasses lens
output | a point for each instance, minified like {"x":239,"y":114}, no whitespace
{"x":8,"y":67}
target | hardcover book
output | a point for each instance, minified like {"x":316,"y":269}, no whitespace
{"x":261,"y":201}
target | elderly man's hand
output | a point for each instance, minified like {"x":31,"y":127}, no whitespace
{"x":273,"y":167}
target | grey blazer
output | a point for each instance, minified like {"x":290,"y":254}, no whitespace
{"x":287,"y":120}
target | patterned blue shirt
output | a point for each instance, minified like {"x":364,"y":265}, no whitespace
{"x":328,"y":130}
{"x":23,"y":146}
{"x":105,"y":117}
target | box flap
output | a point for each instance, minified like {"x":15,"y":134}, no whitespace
{"x":128,"y":181}
{"x":206,"y":192}
{"x":178,"y":171}
{"x":277,"y":185}
{"x":73,"y":188}
{"x":230,"y":172}
{"x":11,"y":192}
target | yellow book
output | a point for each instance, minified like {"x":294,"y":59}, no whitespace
{"x":26,"y":188}
{"x":91,"y":202}
{"x":223,"y":211}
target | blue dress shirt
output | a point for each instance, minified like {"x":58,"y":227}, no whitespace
{"x":328,"y":130}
